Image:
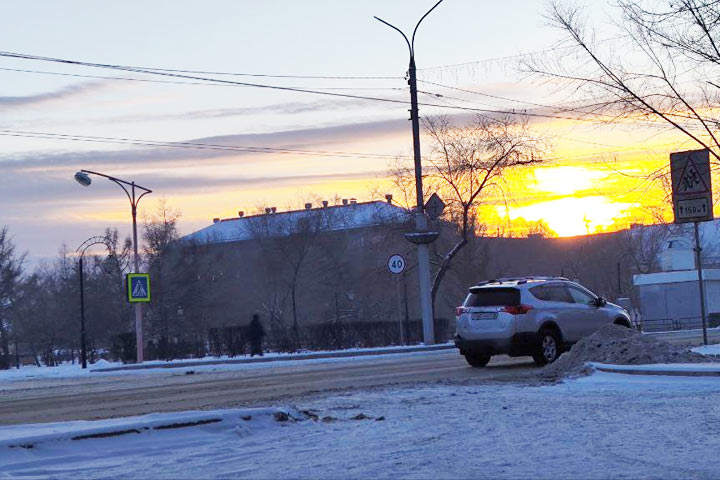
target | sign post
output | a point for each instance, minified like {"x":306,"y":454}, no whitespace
{"x":692,"y":202}
{"x":396,"y":265}
{"x":138,"y":287}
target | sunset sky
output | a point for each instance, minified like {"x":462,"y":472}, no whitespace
{"x":56,"y":118}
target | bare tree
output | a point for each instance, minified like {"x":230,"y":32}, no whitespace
{"x":290,"y":238}
{"x":10,"y":273}
{"x":665,"y":73}
{"x":159,"y":233}
{"x":466,"y":162}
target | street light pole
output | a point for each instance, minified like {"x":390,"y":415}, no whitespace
{"x":83,"y":336}
{"x":83,"y":179}
{"x":422,"y":238}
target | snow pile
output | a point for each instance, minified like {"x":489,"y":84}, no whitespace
{"x":617,"y":345}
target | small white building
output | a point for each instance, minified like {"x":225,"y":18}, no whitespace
{"x":671,"y":300}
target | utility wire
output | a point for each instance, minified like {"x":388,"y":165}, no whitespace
{"x":101,"y":77}
{"x":190,"y":145}
{"x":276,"y":87}
{"x":292,"y":89}
{"x":192,"y":77}
{"x":255,"y":149}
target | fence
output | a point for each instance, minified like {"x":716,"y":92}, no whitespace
{"x":673,"y":324}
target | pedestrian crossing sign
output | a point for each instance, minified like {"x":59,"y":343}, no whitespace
{"x":138,"y":287}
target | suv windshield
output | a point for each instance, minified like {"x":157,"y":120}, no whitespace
{"x":483,"y":297}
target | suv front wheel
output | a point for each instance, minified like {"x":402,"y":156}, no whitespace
{"x":549,"y":349}
{"x":477,"y":359}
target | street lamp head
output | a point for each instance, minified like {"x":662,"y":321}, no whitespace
{"x":83,"y":179}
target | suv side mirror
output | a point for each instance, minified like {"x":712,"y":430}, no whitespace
{"x":600,"y":302}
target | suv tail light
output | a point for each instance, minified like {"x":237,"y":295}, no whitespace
{"x":460,"y":310}
{"x":518,"y":309}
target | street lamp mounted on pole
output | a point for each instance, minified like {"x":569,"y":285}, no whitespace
{"x":83,"y":178}
{"x":421,"y":237}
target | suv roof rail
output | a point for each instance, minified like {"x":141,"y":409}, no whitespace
{"x":521,"y":279}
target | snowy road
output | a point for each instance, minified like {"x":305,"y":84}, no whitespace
{"x":605,"y":426}
{"x":99,"y":395}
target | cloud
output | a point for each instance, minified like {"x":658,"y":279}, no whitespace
{"x":61,"y":94}
{"x":30,"y":192}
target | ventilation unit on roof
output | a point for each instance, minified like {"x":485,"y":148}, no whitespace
{"x":273,"y":209}
{"x":325,"y":203}
{"x":268,"y":210}
{"x":216,"y":220}
{"x":345,"y":201}
{"x":241,"y":214}
{"x":308,"y":206}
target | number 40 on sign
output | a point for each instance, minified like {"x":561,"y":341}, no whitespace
{"x":396,"y":263}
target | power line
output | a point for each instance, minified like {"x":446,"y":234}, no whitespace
{"x":191,"y":145}
{"x":292,"y":89}
{"x":256,"y":149}
{"x":192,"y":77}
{"x":101,"y":77}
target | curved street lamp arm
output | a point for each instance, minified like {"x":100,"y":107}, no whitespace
{"x":120,"y":182}
{"x":143,"y":194}
{"x":412,"y":48}
{"x":398,"y":30}
{"x":117,"y":180}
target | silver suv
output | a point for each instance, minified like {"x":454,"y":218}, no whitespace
{"x":536,"y":316}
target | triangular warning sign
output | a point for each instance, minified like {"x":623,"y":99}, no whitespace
{"x":139,"y":290}
{"x":691,"y":181}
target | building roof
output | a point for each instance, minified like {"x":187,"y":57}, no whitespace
{"x":678,"y":276}
{"x":330,"y":218}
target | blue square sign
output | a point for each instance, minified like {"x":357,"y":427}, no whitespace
{"x":138,"y":287}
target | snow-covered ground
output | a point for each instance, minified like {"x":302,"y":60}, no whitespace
{"x":708,"y":349}
{"x":604,"y":426}
{"x":212,"y":363}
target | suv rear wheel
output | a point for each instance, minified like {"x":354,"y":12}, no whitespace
{"x":477,"y":359}
{"x":549,"y":349}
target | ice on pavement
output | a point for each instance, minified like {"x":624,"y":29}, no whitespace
{"x":614,"y":344}
{"x":587,"y":428}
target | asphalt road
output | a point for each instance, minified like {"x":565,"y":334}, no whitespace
{"x":109,"y":395}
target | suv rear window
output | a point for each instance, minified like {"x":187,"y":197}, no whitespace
{"x":484,"y":297}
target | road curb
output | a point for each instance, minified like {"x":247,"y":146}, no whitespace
{"x":297,"y":357}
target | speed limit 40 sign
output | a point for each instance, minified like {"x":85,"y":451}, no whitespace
{"x":396,"y":263}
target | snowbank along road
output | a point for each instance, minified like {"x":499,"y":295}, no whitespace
{"x":598,"y":427}
{"x":98,"y":395}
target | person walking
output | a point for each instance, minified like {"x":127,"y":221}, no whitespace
{"x":256,"y":333}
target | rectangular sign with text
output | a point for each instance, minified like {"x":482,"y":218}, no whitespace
{"x":691,"y":186}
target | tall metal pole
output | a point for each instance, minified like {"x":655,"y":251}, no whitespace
{"x":138,"y":308}
{"x":83,"y":344}
{"x":420,"y":219}
{"x":423,"y":249}
{"x":698,"y":260}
